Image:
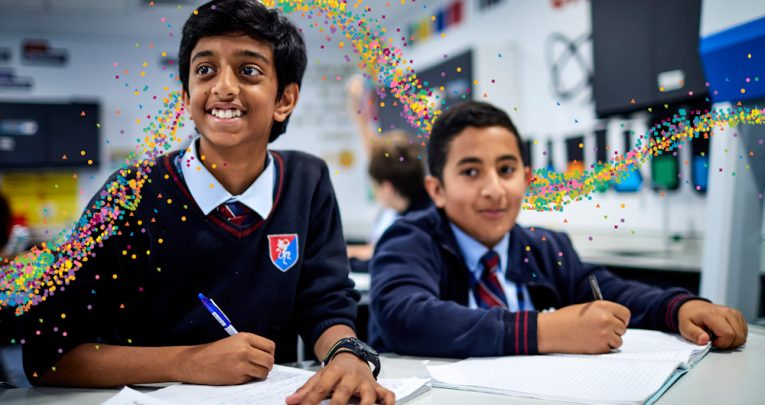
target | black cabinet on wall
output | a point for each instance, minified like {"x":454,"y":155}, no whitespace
{"x":646,"y":54}
{"x":48,"y":135}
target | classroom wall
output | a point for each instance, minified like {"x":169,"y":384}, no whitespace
{"x":520,"y":31}
{"x":517,"y":30}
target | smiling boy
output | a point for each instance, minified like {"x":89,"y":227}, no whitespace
{"x":257,"y":231}
{"x":464,"y":280}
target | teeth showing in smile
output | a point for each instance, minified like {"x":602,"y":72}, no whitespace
{"x":226,"y":114}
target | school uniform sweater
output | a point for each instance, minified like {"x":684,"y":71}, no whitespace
{"x":277,"y":277}
{"x":420,"y":287}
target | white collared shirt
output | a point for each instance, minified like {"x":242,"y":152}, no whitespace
{"x":209,"y":193}
{"x":472,"y":252}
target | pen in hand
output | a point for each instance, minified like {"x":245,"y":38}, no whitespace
{"x":218,"y":314}
{"x":595,"y":288}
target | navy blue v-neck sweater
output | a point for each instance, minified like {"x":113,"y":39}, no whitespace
{"x":150,"y":299}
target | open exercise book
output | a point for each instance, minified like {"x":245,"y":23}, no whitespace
{"x":639,"y":372}
{"x":281,"y":382}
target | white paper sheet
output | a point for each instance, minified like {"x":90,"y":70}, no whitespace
{"x":632,"y":375}
{"x":281,"y":382}
{"x":129,"y":396}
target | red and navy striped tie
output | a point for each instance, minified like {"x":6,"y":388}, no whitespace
{"x":488,"y":291}
{"x":236,"y":212}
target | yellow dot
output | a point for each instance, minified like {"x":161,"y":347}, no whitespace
{"x":581,"y":145}
{"x":133,"y":256}
{"x":749,"y":56}
{"x":203,"y":157}
{"x":140,"y":222}
{"x":167,"y":176}
{"x":82,"y":153}
{"x":169,"y":200}
{"x":114,"y":276}
{"x":161,"y":241}
{"x":63,"y":316}
{"x":124,"y":252}
{"x":212,"y":185}
{"x":214,"y":166}
{"x":743,"y":91}
{"x":528,"y":248}
{"x":164,"y":54}
{"x":622,"y":205}
{"x":148,"y":252}
{"x":459,"y":70}
{"x":382,"y":104}
{"x":661,"y":88}
{"x":183,"y":218}
{"x":196,"y":12}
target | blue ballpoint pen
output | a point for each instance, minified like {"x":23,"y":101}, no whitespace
{"x":218,"y":314}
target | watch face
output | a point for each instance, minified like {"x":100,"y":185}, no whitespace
{"x":365,"y":346}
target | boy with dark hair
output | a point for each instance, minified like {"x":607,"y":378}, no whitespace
{"x":256,"y":230}
{"x":463,"y":279}
{"x":398,"y":182}
{"x":398,"y":173}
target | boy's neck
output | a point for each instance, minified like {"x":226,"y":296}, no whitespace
{"x":236,"y":168}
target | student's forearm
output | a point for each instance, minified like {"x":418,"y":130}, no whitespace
{"x":100,"y":365}
{"x":329,"y":338}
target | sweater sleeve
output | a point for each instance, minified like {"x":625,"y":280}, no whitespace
{"x":650,"y":307}
{"x":325,"y":295}
{"x":75,"y":313}
{"x":411,"y":318}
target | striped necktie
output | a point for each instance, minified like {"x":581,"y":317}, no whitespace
{"x":237,"y":213}
{"x":488,"y":291}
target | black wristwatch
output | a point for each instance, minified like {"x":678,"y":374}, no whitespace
{"x":357,"y":347}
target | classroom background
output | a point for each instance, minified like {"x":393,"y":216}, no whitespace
{"x":80,"y":80}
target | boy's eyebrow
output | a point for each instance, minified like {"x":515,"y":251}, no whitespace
{"x":253,"y":54}
{"x":201,"y":54}
{"x":469,"y":159}
{"x":508,"y":157}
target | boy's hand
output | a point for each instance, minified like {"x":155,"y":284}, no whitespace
{"x":728,"y":325}
{"x":594,"y":327}
{"x":234,"y":360}
{"x":345,"y":376}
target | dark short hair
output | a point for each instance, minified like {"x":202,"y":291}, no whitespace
{"x":393,"y":158}
{"x":458,"y":117}
{"x":248,"y":17}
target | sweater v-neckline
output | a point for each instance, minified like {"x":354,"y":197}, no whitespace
{"x":216,"y":218}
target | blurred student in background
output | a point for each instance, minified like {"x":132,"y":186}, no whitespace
{"x":395,"y":167}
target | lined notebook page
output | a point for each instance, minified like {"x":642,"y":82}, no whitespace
{"x":281,"y":382}
{"x":648,"y":359}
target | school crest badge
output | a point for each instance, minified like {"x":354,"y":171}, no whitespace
{"x":283,"y":250}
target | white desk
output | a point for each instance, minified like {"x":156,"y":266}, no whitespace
{"x":728,"y":377}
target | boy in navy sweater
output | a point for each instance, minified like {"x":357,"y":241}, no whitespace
{"x":463,"y":279}
{"x":256,"y":230}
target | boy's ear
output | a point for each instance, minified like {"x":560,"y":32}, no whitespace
{"x":287,"y":102}
{"x":528,"y":174}
{"x":186,"y":100}
{"x":435,"y":190}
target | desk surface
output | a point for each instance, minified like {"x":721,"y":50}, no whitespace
{"x":734,"y":377}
